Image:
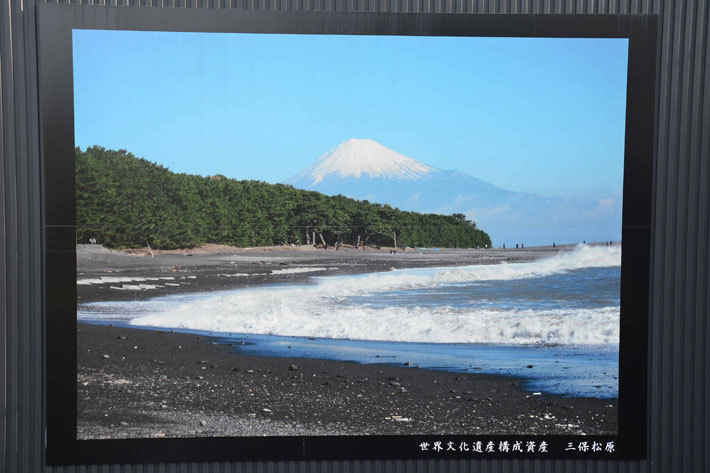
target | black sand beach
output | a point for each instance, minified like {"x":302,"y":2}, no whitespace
{"x":141,"y":383}
{"x":136,"y":383}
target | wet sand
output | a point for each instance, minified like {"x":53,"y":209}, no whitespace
{"x":142,"y":383}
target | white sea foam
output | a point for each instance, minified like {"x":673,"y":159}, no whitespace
{"x":286,"y":314}
{"x":323,"y":309}
{"x":583,"y":256}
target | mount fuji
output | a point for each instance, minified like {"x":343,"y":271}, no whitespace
{"x":366,"y":170}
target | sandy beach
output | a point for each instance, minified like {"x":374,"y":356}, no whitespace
{"x":135,"y":383}
{"x":215,"y":267}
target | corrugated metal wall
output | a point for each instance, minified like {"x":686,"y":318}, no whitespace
{"x":679,"y":379}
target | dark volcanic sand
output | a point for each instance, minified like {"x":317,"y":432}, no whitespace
{"x":143,"y":383}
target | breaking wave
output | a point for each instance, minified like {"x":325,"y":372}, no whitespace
{"x":288,"y":315}
{"x":583,"y":256}
{"x":325,"y":310}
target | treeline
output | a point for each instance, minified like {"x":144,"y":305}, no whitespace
{"x":124,"y":201}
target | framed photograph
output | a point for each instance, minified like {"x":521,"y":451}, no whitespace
{"x":311,"y":236}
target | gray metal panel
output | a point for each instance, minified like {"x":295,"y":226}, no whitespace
{"x":21,"y":332}
{"x":679,"y":378}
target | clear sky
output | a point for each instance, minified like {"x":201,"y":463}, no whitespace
{"x":527,"y":114}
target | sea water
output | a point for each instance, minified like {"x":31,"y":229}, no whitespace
{"x":553,"y":322}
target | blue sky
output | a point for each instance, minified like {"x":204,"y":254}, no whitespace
{"x":527,"y":114}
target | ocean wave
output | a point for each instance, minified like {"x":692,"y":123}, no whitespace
{"x":325,"y":309}
{"x":583,"y":256}
{"x":291,"y":316}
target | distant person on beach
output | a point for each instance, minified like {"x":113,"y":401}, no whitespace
{"x":553,"y":244}
{"x":522,"y":245}
{"x":516,"y":246}
{"x":504,"y":246}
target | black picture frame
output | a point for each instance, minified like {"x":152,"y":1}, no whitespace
{"x":55,"y":24}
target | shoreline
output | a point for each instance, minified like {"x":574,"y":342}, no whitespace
{"x":137,"y":383}
{"x":110,"y":275}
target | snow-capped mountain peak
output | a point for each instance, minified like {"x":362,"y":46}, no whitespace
{"x":362,"y":157}
{"x":366,"y":170}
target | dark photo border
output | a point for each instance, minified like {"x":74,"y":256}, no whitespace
{"x":55,"y":24}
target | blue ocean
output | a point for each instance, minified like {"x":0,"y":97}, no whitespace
{"x":553,"y":322}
